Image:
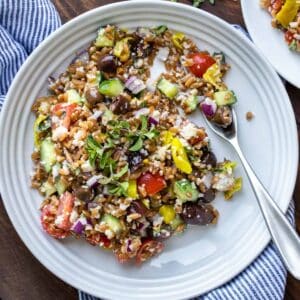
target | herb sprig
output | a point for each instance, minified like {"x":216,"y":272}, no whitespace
{"x":143,"y":133}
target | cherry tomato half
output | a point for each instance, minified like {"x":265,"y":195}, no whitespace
{"x":66,"y":203}
{"x":97,"y":239}
{"x":47,"y":220}
{"x":289,"y":36}
{"x":153,"y":183}
{"x":67,"y":109}
{"x":201,"y":62}
{"x":148,"y":249}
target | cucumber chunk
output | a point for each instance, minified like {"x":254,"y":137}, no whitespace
{"x":185,"y":190}
{"x":113,"y":223}
{"x":111,"y":88}
{"x":168,"y":88}
{"x":225,"y":98}
{"x":48,"y":155}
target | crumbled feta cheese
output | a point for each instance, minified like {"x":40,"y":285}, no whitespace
{"x":223,"y":182}
{"x":206,"y":179}
{"x":44,"y":107}
{"x":59,"y":132}
{"x":157,"y":220}
{"x":87,"y":167}
{"x":73,"y":216}
{"x":55,"y":171}
{"x":188,"y":131}
{"x":59,"y":219}
{"x":123,"y":206}
{"x":80,"y":69}
{"x":294,"y":24}
{"x":96,"y":114}
{"x":155,"y":115}
{"x":162,"y":152}
{"x":109,"y":233}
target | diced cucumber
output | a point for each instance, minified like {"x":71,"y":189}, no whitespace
{"x":191,"y":101}
{"x":186,"y":190}
{"x":60,"y":186}
{"x":48,"y":155}
{"x":113,"y":223}
{"x":225,"y":98}
{"x":168,"y":88}
{"x":48,"y":189}
{"x":111,"y":88}
{"x":103,"y":40}
{"x":73,"y":96}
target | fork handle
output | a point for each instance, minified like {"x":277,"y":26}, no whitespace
{"x":282,"y":232}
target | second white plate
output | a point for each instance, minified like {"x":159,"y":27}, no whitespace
{"x":202,"y":258}
{"x":271,"y":41}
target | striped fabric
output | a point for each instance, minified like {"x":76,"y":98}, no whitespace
{"x":23,"y":25}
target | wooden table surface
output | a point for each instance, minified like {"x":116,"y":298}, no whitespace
{"x":21,"y":275}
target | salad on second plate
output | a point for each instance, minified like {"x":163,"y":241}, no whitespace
{"x":116,"y":159}
{"x":286,"y":17}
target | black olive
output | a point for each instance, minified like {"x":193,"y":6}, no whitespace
{"x":223,"y":116}
{"x":135,"y":161}
{"x":208,"y":196}
{"x":121,"y":105}
{"x":197,"y":214}
{"x":209,"y":158}
{"x":93,"y":96}
{"x":107,"y":64}
{"x":84,"y":193}
{"x":138,"y":207}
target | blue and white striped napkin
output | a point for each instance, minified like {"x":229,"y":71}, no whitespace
{"x":23,"y":25}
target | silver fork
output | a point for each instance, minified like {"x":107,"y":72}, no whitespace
{"x":282,"y":233}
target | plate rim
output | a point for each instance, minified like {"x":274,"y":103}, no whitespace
{"x":77,"y":19}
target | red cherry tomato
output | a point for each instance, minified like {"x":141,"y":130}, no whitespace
{"x":97,"y":239}
{"x":289,"y":36}
{"x":276,"y":5}
{"x":47,"y":220}
{"x":66,"y":203}
{"x":201,"y":62}
{"x":153,"y":183}
{"x":148,"y":249}
{"x":67,"y":109}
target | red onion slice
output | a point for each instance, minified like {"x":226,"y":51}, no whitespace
{"x":209,"y":107}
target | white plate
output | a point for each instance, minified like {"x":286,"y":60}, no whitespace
{"x":202,"y":258}
{"x":271,"y":41}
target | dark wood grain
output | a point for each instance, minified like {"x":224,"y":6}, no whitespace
{"x":21,"y":275}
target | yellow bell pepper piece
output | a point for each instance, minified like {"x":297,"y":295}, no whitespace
{"x":36,"y":132}
{"x":122,"y":49}
{"x":168,"y":213}
{"x":213,"y":75}
{"x":180,"y":157}
{"x":288,"y":12}
{"x":177,"y":39}
{"x":132,"y":189}
{"x":167,"y":137}
{"x":238,"y":182}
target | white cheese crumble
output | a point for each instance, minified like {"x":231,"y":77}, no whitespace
{"x":224,"y":182}
{"x":59,"y":132}
{"x":73,"y":216}
{"x":109,"y":233}
{"x":87,"y":167}
{"x":59,"y":219}
{"x":188,"y":131}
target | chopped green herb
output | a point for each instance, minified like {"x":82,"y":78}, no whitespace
{"x":118,"y":188}
{"x":143,"y":133}
{"x":160,"y":29}
{"x":137,"y":145}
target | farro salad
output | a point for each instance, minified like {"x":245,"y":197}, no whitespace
{"x":116,"y":159}
{"x":286,"y":17}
